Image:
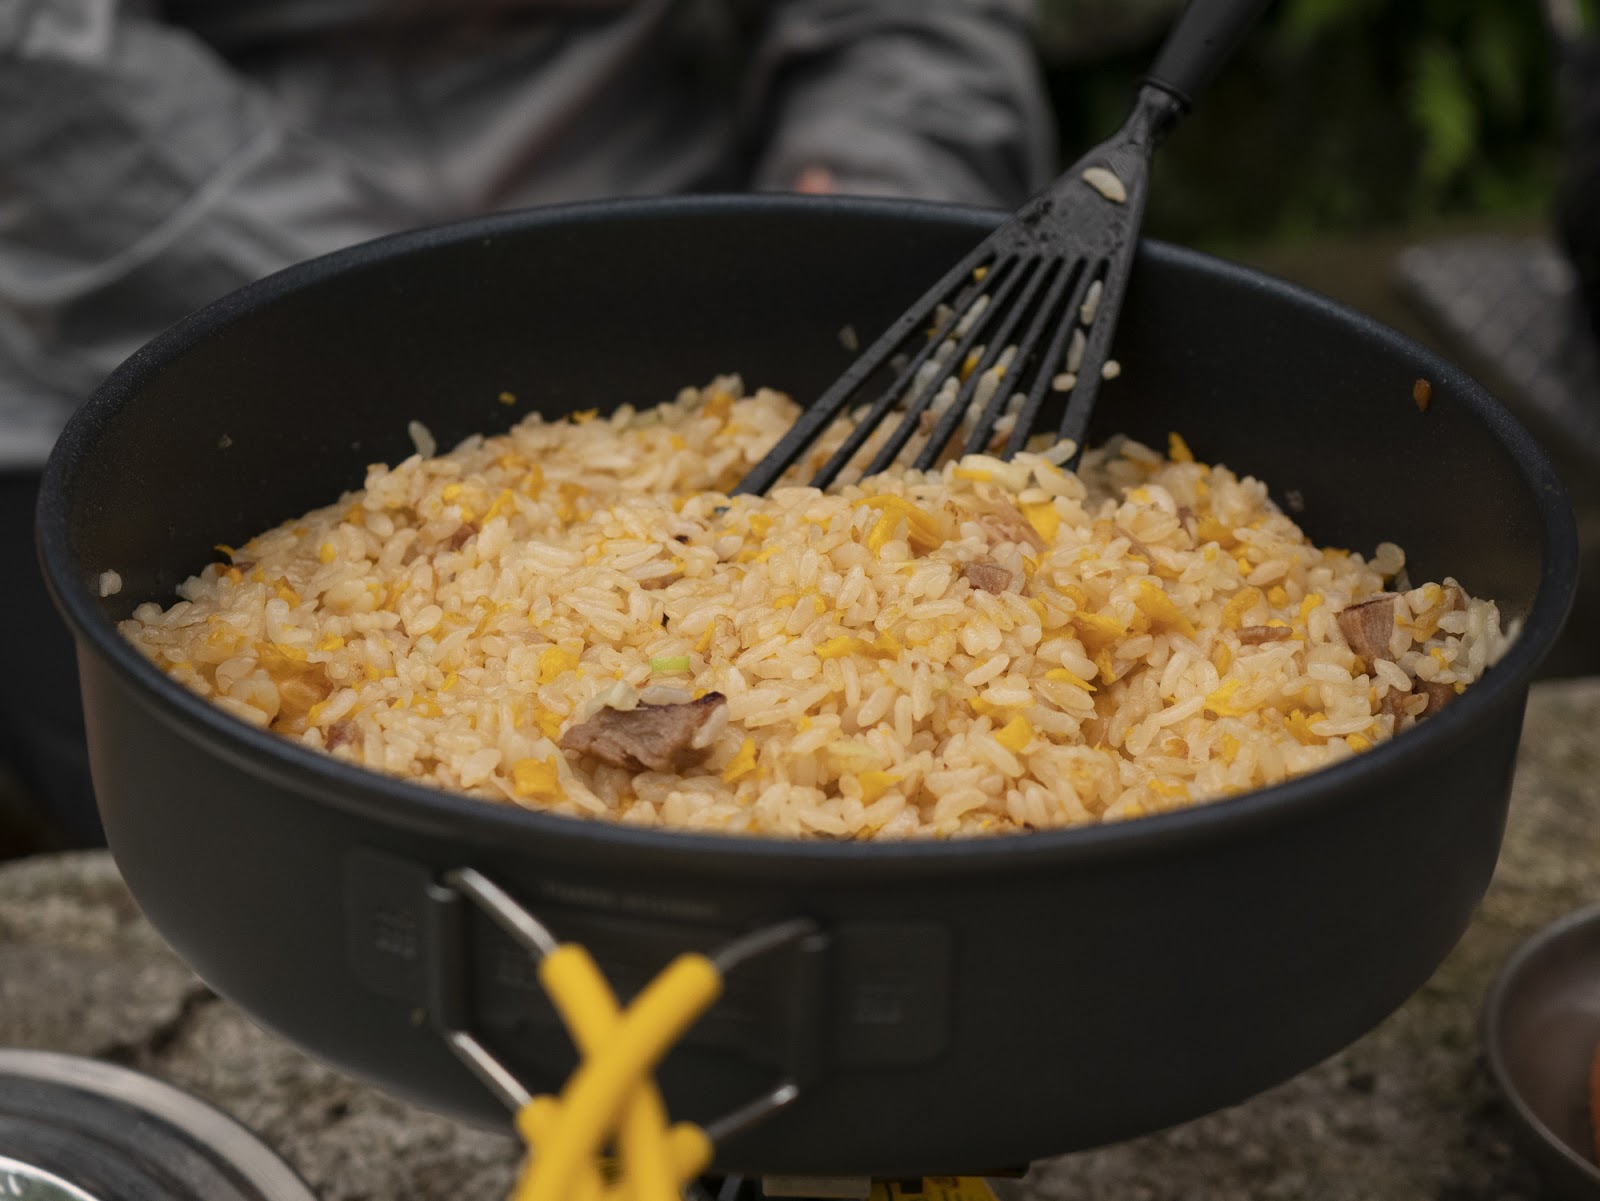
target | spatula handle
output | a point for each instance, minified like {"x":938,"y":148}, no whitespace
{"x":1206,"y":33}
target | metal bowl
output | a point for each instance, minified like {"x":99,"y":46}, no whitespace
{"x":1541,"y":1029}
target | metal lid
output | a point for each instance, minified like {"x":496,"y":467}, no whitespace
{"x":74,"y":1129}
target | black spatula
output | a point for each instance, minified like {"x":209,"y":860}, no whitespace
{"x":1033,"y":308}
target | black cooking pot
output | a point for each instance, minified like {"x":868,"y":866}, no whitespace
{"x":967,"y":1004}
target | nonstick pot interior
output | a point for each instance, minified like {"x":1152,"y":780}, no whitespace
{"x":971,"y":1004}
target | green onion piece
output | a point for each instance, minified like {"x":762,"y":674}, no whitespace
{"x":670,"y":664}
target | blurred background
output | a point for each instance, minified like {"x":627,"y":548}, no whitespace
{"x":1434,"y":163}
{"x":1347,"y":131}
{"x":1336,"y":118}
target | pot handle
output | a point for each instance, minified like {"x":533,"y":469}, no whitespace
{"x":447,"y":1001}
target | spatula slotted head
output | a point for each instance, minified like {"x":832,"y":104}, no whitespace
{"x":1026,"y":316}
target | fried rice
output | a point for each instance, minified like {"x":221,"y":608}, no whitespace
{"x":988,"y":647}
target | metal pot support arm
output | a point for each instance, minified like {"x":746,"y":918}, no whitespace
{"x":610,"y":1097}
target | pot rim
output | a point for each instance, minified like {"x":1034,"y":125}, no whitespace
{"x":392,"y":801}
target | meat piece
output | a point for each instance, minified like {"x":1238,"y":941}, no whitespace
{"x":1394,"y":704}
{"x":665,"y":738}
{"x":657,"y":582}
{"x":1439,"y":695}
{"x":1436,"y":694}
{"x":1005,"y":523}
{"x":462,"y":536}
{"x":988,"y":575}
{"x":1256,"y":635}
{"x":1367,"y":627}
{"x":339,"y":734}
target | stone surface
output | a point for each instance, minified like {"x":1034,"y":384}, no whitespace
{"x":1406,"y":1113}
{"x":82,"y":972}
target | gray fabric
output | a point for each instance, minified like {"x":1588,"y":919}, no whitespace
{"x":155,"y":156}
{"x":908,"y":98}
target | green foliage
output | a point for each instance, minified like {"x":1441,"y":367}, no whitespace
{"x":1442,"y":107}
{"x":1303,"y":23}
{"x":1345,"y":114}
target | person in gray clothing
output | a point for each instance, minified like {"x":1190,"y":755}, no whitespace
{"x":155,"y":154}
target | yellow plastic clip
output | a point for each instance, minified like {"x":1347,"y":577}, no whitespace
{"x":593,"y":1097}
{"x":611,"y":1101}
{"x":619,"y":1051}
